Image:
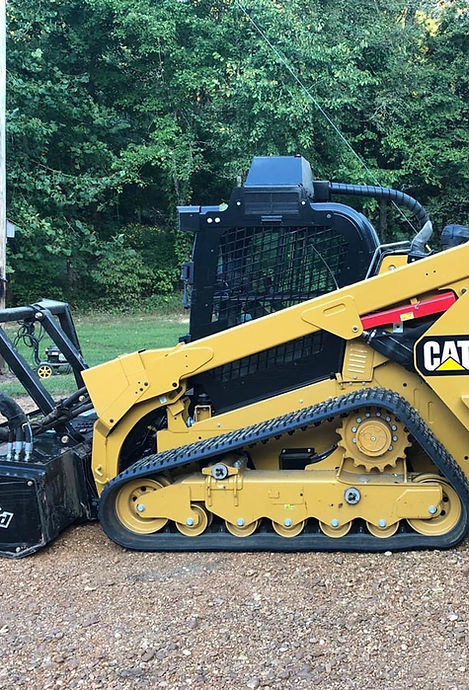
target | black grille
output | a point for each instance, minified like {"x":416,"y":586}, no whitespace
{"x":293,"y":353}
{"x":285,"y":203}
{"x":263,"y":269}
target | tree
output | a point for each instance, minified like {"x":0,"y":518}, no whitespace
{"x":119,"y":110}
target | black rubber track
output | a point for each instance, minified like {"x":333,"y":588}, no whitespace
{"x":216,"y":538}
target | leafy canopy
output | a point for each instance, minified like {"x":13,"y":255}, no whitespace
{"x":118,"y":110}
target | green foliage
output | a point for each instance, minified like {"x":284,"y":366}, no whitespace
{"x":120,"y":275}
{"x":118,"y":110}
{"x":133,"y":267}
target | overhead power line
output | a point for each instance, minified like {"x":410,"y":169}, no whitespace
{"x":316,"y":103}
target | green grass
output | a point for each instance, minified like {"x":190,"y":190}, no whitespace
{"x":104,"y":337}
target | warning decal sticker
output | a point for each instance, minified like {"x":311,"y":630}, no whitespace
{"x":443,"y":355}
{"x":5,"y":518}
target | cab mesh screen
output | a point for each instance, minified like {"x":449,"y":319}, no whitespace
{"x":263,"y":269}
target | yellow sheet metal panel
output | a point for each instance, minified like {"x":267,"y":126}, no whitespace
{"x":338,"y":316}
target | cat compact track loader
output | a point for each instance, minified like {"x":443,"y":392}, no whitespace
{"x":319,"y":401}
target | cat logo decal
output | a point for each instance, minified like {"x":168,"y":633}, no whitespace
{"x":443,"y":355}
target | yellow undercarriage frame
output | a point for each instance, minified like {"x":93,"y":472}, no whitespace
{"x":244,"y":497}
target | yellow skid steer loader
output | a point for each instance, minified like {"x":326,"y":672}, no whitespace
{"x":320,"y":399}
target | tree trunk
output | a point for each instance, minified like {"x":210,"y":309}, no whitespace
{"x":383,"y":221}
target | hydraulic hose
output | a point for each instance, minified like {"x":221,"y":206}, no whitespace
{"x":74,"y":396}
{"x":61,"y":415}
{"x":382,"y":193}
{"x":19,"y":433}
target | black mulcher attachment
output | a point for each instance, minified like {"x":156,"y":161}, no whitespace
{"x":45,"y":477}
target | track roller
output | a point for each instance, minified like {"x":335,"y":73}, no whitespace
{"x":382,"y":532}
{"x":193,"y":528}
{"x":242,"y":530}
{"x":336,"y":532}
{"x":289,"y":530}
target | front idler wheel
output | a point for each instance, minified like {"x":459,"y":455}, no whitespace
{"x":130,"y":505}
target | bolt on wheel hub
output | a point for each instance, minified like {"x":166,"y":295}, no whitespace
{"x":373,"y":439}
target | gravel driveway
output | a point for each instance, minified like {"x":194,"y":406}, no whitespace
{"x":84,"y":613}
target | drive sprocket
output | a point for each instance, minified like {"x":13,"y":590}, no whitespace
{"x":373,"y":439}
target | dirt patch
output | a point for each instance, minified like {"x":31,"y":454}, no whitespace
{"x":7,"y":377}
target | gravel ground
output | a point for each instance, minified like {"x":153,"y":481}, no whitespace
{"x":84,"y":613}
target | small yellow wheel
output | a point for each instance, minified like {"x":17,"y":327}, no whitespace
{"x":242,"y":531}
{"x":129,"y":503}
{"x":382,"y":532}
{"x":199,"y":525}
{"x":449,"y":514}
{"x":44,"y":371}
{"x":292,"y":531}
{"x":335,"y":532}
